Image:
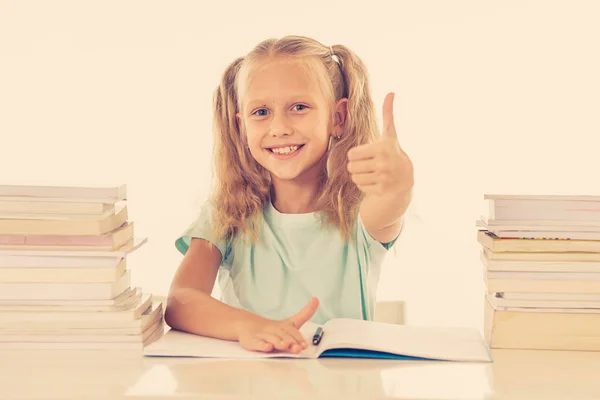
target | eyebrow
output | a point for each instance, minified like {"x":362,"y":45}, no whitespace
{"x":306,"y":98}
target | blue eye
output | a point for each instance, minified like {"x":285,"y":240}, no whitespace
{"x":262,"y":109}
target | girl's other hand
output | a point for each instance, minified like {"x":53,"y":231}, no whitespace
{"x":265,"y":335}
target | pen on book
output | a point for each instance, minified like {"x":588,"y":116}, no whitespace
{"x":317,"y":336}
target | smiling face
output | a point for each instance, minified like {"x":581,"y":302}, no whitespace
{"x":287,"y":120}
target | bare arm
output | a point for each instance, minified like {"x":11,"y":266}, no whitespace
{"x":382,"y":215}
{"x":190,"y":306}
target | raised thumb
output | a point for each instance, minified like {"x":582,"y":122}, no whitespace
{"x":389,"y":127}
{"x":305,"y":314}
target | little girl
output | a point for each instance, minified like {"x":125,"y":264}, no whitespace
{"x":309,"y":197}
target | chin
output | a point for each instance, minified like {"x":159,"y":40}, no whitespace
{"x":282,"y":175}
{"x":296,"y":173}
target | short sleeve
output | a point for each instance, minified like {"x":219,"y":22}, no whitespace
{"x":201,"y":228}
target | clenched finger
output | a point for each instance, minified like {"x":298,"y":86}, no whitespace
{"x":361,"y":166}
{"x":257,"y":344}
{"x":277,"y":341}
{"x":288,"y":338}
{"x":297,"y":335}
{"x":365,"y":179}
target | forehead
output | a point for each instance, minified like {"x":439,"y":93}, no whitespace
{"x":282,"y":80}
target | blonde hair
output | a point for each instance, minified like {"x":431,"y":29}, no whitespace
{"x":243,"y":187}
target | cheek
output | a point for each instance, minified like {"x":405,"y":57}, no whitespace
{"x":321,"y":139}
{"x":321,"y":144}
{"x":254,"y":144}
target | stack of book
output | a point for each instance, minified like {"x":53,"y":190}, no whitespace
{"x":541,"y":268}
{"x":64,"y":280}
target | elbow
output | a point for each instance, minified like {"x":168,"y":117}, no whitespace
{"x":174,"y":309}
{"x":182,"y":308}
{"x":171,"y":314}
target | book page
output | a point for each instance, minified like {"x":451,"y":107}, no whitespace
{"x":446,"y":343}
{"x":176,"y":343}
{"x":543,"y":275}
{"x":551,"y":296}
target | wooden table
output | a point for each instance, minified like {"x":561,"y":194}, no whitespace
{"x":115,"y":375}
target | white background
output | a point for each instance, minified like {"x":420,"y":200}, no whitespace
{"x":491,"y":97}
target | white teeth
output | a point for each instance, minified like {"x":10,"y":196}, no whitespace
{"x":284,"y":150}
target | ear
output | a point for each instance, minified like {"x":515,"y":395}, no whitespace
{"x":339,"y":117}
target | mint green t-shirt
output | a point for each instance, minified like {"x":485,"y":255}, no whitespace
{"x":295,"y":259}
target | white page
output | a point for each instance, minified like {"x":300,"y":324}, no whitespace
{"x":544,"y":275}
{"x":543,"y":304}
{"x":551,"y":296}
{"x":177,"y":343}
{"x":446,"y":343}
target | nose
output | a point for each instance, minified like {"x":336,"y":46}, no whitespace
{"x":280,"y":125}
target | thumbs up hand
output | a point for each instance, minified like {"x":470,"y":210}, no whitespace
{"x":382,"y":167}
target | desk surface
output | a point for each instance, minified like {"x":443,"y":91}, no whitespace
{"x":115,"y":375}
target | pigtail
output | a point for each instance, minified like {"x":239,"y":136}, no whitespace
{"x":241,"y":184}
{"x":341,"y":198}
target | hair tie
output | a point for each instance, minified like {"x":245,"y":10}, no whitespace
{"x":334,"y":57}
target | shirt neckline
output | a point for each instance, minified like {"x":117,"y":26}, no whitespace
{"x":278,"y":218}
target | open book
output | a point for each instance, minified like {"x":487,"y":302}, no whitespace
{"x":343,"y":338}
